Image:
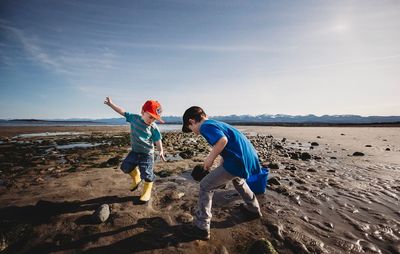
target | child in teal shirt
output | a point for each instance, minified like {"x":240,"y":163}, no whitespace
{"x":144,"y":134}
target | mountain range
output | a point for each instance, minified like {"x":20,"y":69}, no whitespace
{"x":233,"y":119}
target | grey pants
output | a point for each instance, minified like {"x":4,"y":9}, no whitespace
{"x":214,"y":180}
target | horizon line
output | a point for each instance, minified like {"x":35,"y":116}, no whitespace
{"x":232,"y":115}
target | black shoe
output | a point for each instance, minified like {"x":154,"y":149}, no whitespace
{"x":195,"y":233}
{"x":249,"y":214}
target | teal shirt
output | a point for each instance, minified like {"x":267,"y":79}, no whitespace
{"x":143,"y":136}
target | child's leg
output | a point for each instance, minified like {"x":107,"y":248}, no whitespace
{"x":247,"y":195}
{"x":146,"y":162}
{"x":135,"y":174}
{"x":129,"y":163}
{"x":215,"y":179}
{"x":129,"y":166}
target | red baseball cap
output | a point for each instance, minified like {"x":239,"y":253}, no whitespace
{"x":154,"y":109}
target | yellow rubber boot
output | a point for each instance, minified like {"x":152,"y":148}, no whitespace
{"x":135,"y":174}
{"x":146,"y":193}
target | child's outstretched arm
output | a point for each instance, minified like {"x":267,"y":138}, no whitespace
{"x":117,"y":109}
{"x":160,"y":149}
{"x":217,"y":149}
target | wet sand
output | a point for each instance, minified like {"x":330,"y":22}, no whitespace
{"x":322,"y":197}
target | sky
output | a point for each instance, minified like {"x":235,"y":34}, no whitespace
{"x":60,"y":59}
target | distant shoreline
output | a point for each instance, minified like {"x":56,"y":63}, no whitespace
{"x":21,"y":123}
{"x":394,"y":124}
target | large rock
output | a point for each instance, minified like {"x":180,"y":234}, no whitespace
{"x":305,"y":156}
{"x":102,"y":213}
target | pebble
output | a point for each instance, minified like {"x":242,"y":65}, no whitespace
{"x":358,"y":154}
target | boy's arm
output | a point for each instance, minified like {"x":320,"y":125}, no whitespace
{"x":116,"y":108}
{"x":160,"y":149}
{"x":217,"y":149}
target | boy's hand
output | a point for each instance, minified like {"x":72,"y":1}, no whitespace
{"x":108,"y":101}
{"x":208,"y":162}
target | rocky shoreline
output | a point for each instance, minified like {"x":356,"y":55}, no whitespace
{"x":318,"y":200}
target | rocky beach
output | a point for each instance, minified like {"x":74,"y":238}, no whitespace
{"x":330,"y":190}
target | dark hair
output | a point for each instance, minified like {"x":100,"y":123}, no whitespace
{"x":196,"y":113}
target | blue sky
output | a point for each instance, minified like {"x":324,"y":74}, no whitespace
{"x":59,"y":59}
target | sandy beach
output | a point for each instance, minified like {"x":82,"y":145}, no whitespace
{"x":331,"y":190}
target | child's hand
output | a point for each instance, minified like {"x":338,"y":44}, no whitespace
{"x":162,"y":156}
{"x":208,"y":162}
{"x":107,"y":101}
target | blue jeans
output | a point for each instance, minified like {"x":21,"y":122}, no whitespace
{"x":143,"y":161}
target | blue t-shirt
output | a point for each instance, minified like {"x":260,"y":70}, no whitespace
{"x":143,"y":136}
{"x":240,"y":156}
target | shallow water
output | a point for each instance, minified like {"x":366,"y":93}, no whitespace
{"x":78,"y":145}
{"x":47,"y":134}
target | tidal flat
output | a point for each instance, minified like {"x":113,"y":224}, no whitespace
{"x":330,"y":190}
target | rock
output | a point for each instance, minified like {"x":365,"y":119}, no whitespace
{"x":368,"y":146}
{"x":188,"y":154}
{"x":113,"y":161}
{"x":311,"y":170}
{"x":175,"y":195}
{"x":305,"y":156}
{"x":102,"y":213}
{"x":294,"y":156}
{"x":184,"y":218}
{"x":39,"y":179}
{"x":163,"y":173}
{"x":282,"y":190}
{"x":318,"y":136}
{"x":314,"y":144}
{"x":305,"y":218}
{"x":262,"y":246}
{"x":292,"y":168}
{"x":358,"y":154}
{"x":274,"y":181}
{"x":273,"y":165}
{"x":198,"y":172}
{"x":387,"y":149}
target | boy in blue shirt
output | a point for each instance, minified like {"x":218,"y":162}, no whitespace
{"x":240,"y":160}
{"x":144,"y":134}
